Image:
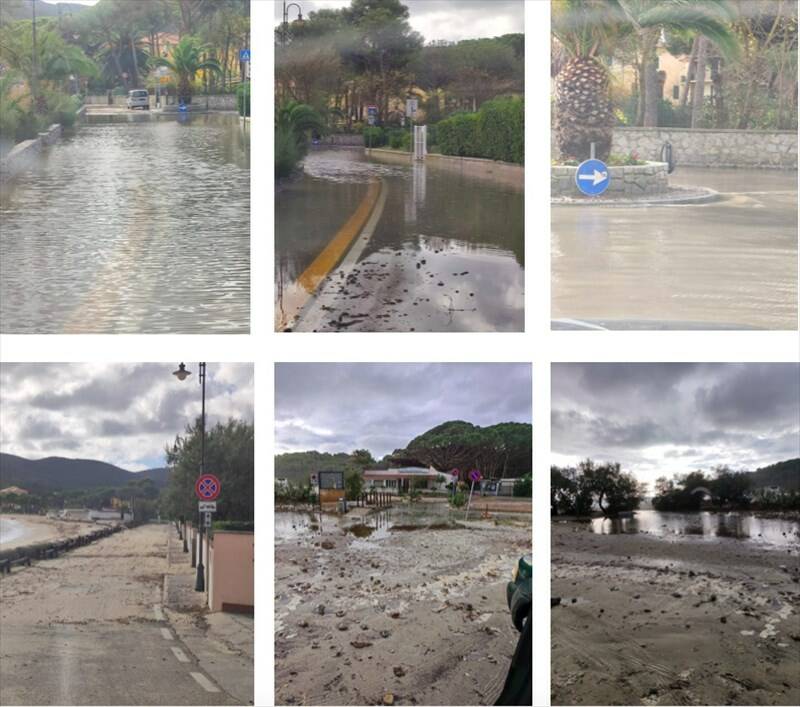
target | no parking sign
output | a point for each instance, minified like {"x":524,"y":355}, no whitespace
{"x":207,"y":487}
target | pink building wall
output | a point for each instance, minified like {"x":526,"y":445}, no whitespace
{"x":231,"y":581}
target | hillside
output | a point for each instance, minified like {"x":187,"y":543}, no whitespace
{"x":58,"y":473}
{"x":12,"y":10}
{"x":296,"y":466}
{"x":785,"y":474}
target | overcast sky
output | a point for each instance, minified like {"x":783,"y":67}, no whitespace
{"x":120,"y":413}
{"x":443,"y":19}
{"x":661,"y":419}
{"x":339,"y":407}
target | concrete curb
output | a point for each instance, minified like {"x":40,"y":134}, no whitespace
{"x":706,"y":197}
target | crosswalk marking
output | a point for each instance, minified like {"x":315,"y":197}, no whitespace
{"x":157,"y":611}
{"x":204,"y":682}
{"x":180,"y":655}
{"x":166,"y":634}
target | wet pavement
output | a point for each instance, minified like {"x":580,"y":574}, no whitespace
{"x":447,"y":253}
{"x":131,"y":227}
{"x":731,"y":263}
{"x":705,"y":525}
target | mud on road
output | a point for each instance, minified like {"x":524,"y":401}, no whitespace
{"x":420,"y":615}
{"x":647,"y":621}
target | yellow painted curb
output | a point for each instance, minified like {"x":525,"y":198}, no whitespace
{"x":332,"y":253}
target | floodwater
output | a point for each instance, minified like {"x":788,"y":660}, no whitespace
{"x":726,"y":264}
{"x":377,"y":525}
{"x":10,"y":530}
{"x":705,"y":525}
{"x":131,"y":227}
{"x":447,"y":253}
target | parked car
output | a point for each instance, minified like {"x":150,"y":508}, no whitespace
{"x":518,"y":689}
{"x":138,"y":98}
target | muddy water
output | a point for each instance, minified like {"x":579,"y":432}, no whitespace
{"x":447,"y":253}
{"x":704,"y":525}
{"x":135,"y":227}
{"x":728,"y":263}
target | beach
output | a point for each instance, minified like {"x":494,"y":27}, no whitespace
{"x":19,"y":529}
{"x":417,"y":615}
{"x":647,"y":620}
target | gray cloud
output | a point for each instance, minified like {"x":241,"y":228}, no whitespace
{"x":450,"y":20}
{"x":381,"y":407}
{"x":661,"y":419}
{"x":121,"y":413}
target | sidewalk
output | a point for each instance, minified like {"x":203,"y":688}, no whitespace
{"x":221,"y":642}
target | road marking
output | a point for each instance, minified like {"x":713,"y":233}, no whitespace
{"x":204,"y":682}
{"x":180,"y":655}
{"x":293,"y":301}
{"x":312,"y":316}
{"x":157,"y":611}
{"x":166,"y":634}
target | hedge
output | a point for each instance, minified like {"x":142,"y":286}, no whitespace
{"x":495,"y":132}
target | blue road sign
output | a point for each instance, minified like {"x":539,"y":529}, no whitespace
{"x":592,"y":177}
{"x":244,"y":55}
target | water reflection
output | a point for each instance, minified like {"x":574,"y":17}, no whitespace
{"x":705,"y":525}
{"x":446,"y":255}
{"x":131,"y":227}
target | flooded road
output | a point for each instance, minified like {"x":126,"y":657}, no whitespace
{"x":446,"y":253}
{"x":730,"y":263}
{"x":131,"y":227}
{"x":705,"y":525}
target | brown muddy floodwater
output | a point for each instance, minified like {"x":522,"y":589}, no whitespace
{"x":726,"y":264}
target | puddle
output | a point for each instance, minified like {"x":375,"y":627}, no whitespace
{"x":704,"y":525}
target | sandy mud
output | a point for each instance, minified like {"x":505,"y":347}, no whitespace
{"x":643,"y":620}
{"x":36,"y":529}
{"x":398,"y":615}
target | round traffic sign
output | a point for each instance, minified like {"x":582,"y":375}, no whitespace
{"x":207,"y":487}
{"x":475,"y":475}
{"x":592,"y":177}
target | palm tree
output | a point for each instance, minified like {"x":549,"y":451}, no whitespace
{"x":293,"y":120}
{"x":648,"y":19}
{"x":584,"y":29}
{"x":186,"y":61}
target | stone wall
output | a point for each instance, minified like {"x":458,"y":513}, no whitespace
{"x":711,"y":148}
{"x":22,"y":155}
{"x":222,"y":101}
{"x":639,"y":180}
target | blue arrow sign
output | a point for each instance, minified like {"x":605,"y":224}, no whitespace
{"x":244,"y":55}
{"x":592,"y":177}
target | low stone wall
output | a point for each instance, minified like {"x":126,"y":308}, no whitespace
{"x":345,"y":140}
{"x":638,"y":180}
{"x":222,"y":101}
{"x":511,"y":174}
{"x":711,"y":148}
{"x":22,"y":154}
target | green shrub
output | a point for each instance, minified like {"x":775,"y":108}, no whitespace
{"x":458,"y":499}
{"x":287,"y":153}
{"x":524,"y":486}
{"x":246,"y":526}
{"x":243,"y":99}
{"x":399,"y":139}
{"x":495,"y":132}
{"x":29,"y":126}
{"x":501,"y":130}
{"x":374,"y":136}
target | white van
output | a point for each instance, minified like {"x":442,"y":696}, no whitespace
{"x":138,"y":98}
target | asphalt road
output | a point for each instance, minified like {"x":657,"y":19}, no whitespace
{"x":88,"y":628}
{"x":731,"y":263}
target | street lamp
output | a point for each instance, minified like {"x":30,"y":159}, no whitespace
{"x":182,"y":374}
{"x":286,"y":17}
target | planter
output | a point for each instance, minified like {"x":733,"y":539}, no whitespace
{"x":629,"y":181}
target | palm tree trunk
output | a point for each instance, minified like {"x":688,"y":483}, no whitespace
{"x":689,"y":72}
{"x":699,"y":83}
{"x":135,"y":62}
{"x":651,"y":97}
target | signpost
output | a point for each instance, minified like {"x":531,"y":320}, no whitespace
{"x":412,"y":104}
{"x":592,"y":177}
{"x":207,"y":487}
{"x":474,"y":476}
{"x":207,"y":506}
{"x":244,"y":58}
{"x":372,"y":115}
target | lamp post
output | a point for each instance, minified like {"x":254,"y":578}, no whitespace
{"x":34,"y":66}
{"x":182,"y":374}
{"x":285,"y":26}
